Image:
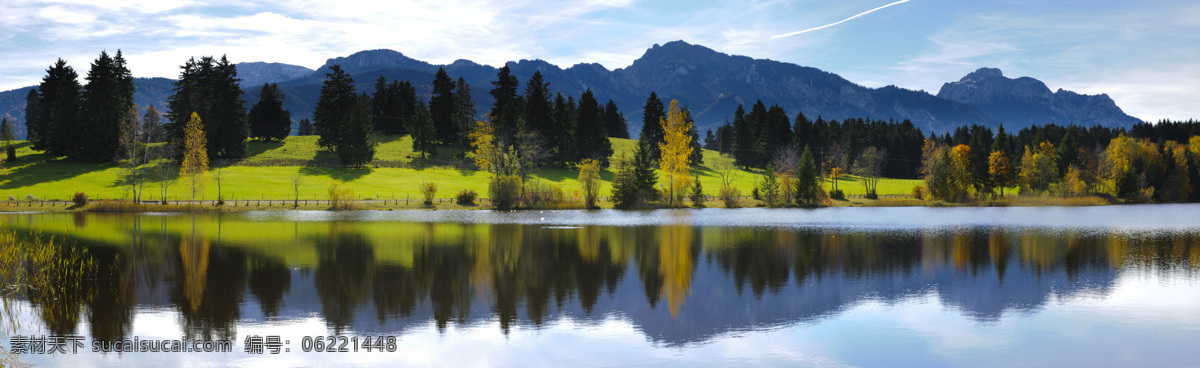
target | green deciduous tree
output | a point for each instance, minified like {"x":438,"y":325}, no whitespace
{"x":589,"y":182}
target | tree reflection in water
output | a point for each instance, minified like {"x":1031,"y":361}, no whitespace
{"x":713,"y":279}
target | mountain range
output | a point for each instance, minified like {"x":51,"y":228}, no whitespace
{"x":710,"y":83}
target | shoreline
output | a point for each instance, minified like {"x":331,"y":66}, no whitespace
{"x":107,"y":206}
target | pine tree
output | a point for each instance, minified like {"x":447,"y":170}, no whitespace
{"x":6,"y":135}
{"x":441,"y":108}
{"x":424,"y":135}
{"x":35,"y":131}
{"x":304,"y":128}
{"x":337,"y":97}
{"x":268,"y":119}
{"x":105,"y":104}
{"x":356,"y":145}
{"x":211,"y":89}
{"x":652,"y":117}
{"x":538,"y":107}
{"x":464,"y":113}
{"x":743,"y":139}
{"x":614,"y":122}
{"x":643,"y":171}
{"x":506,"y":112}
{"x":59,"y":117}
{"x":562,"y":141}
{"x":807,"y":182}
{"x":589,"y":132}
{"x":697,"y":157}
{"x":227,"y":127}
{"x":385,"y":107}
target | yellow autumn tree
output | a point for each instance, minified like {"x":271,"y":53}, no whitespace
{"x":195,"y":156}
{"x":1000,"y":169}
{"x":483,"y":138}
{"x":676,"y":149}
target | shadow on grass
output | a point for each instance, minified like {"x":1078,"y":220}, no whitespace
{"x":337,"y":173}
{"x":33,"y":169}
{"x":255,"y":148}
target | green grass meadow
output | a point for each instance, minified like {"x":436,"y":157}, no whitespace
{"x":267,"y":173}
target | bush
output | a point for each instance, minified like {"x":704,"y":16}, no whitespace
{"x":429,"y":190}
{"x":919,"y":191}
{"x":80,"y":199}
{"x":505,"y":191}
{"x":730,"y":195}
{"x":541,"y":194}
{"x":837,"y":194}
{"x":341,"y":198}
{"x":466,"y":197}
{"x":12,"y":153}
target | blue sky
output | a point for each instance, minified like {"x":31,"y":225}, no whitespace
{"x":1144,"y":54}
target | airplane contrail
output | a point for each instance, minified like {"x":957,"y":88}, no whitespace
{"x":838,"y":22}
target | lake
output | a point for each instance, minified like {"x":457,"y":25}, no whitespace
{"x":1089,"y":286}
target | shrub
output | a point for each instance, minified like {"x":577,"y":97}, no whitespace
{"x":589,"y":181}
{"x":429,"y":190}
{"x":12,"y":153}
{"x":341,"y":198}
{"x":466,"y":197}
{"x":541,"y":194}
{"x":505,"y":191}
{"x":730,"y":195}
{"x":80,"y":199}
{"x":837,"y":194}
{"x":919,"y":191}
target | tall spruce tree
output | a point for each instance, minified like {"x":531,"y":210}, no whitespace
{"x":59,"y":117}
{"x":424,"y":134}
{"x":105,"y":103}
{"x":268,"y":119}
{"x":697,"y":155}
{"x":589,"y":132}
{"x":386,"y":109}
{"x":211,"y":89}
{"x":562,"y":142}
{"x":614,"y":121}
{"x":441,"y":108}
{"x":337,"y":97}
{"x":304,"y":128}
{"x":356,"y":144}
{"x":652,"y":115}
{"x":464,"y":113}
{"x":743,"y":139}
{"x":226,"y":124}
{"x":539,"y":108}
{"x":506,"y":111}
{"x":34,"y":130}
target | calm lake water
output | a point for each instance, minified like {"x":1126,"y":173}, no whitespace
{"x":1107,"y":286}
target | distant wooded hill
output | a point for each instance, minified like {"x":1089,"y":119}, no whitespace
{"x":711,"y":83}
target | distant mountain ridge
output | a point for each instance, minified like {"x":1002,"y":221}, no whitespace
{"x":1026,"y":101}
{"x":710,"y":83}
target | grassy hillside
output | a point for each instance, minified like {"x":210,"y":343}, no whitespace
{"x":268,"y":171}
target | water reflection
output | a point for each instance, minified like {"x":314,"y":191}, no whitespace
{"x":685,"y":283}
